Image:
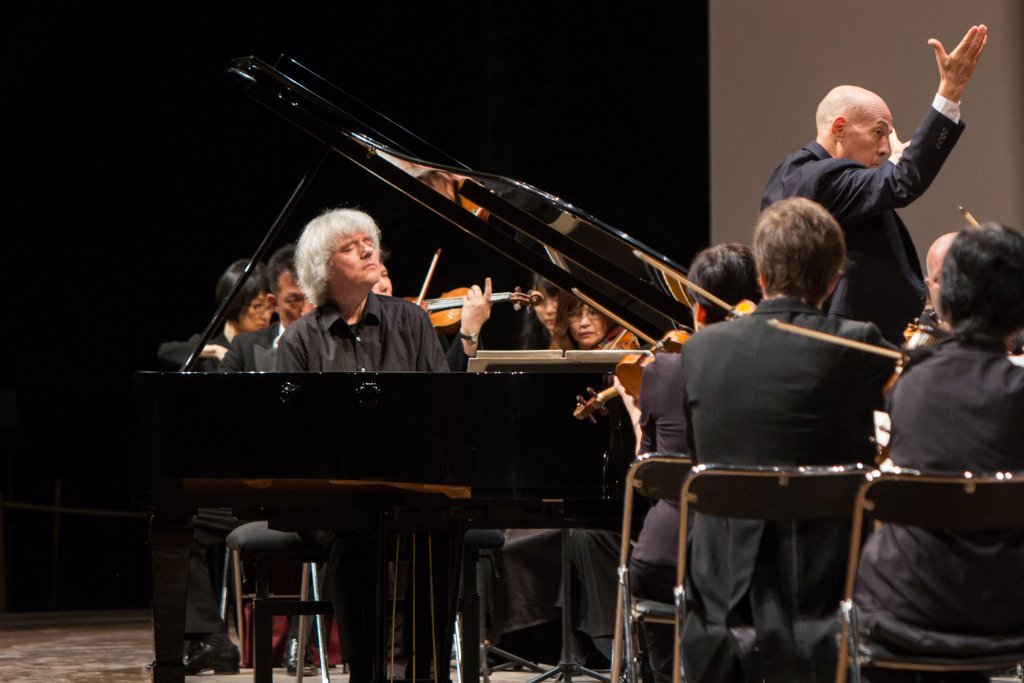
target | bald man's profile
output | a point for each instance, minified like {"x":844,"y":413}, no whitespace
{"x":858,"y":169}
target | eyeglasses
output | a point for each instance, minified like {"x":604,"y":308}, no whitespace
{"x":587,"y":311}
{"x":259,"y":307}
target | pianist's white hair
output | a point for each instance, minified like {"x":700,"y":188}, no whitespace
{"x":320,"y":238}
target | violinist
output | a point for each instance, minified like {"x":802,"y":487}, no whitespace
{"x":958,"y":410}
{"x":933,"y":267}
{"x":757,"y":396}
{"x":578,"y":325}
{"x":538,"y":328}
{"x":473,"y":313}
{"x":728,"y":272}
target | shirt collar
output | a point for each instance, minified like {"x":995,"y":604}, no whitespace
{"x":785,"y":304}
{"x":815,"y":148}
{"x":329,"y":315}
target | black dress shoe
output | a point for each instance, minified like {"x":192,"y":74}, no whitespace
{"x":211,"y":651}
{"x":292,"y":656}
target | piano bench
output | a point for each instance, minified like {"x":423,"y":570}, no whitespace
{"x":257,"y":543}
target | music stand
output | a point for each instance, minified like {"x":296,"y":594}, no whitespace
{"x":566,"y":668}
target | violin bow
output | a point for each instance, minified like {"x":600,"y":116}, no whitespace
{"x":668,"y":270}
{"x":969,"y":217}
{"x":593,"y":304}
{"x":430,"y":276}
{"x":835,"y":339}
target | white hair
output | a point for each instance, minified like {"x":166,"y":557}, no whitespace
{"x":319,"y":239}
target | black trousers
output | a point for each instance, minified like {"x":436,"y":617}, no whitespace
{"x":351,"y":577}
{"x":205,"y":569}
{"x":655,"y":582}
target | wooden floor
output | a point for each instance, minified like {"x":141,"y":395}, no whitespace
{"x":113,"y":647}
{"x":107,"y":647}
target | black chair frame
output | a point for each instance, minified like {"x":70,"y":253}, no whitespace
{"x":760,"y":493}
{"x":948,"y":503}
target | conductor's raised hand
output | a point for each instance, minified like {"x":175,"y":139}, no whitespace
{"x":956,"y":67}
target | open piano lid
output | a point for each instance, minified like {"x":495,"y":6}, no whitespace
{"x":537,"y":230}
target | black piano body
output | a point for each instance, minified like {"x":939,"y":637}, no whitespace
{"x":395,"y":450}
{"x":374,"y":452}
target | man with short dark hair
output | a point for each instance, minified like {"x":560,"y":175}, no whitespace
{"x":860,"y":171}
{"x":759,"y":396}
{"x":256,"y":351}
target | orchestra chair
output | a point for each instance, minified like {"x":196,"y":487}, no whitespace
{"x":655,"y":476}
{"x":946,"y":503}
{"x":779,"y":494}
{"x":257,"y":543}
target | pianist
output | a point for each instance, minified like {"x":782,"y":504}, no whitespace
{"x":352,"y":329}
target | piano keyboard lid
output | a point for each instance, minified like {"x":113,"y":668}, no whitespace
{"x":541,"y":232}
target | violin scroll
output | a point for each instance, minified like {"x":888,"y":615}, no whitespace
{"x":595,"y":403}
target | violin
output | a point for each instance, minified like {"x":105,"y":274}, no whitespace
{"x":446,"y":311}
{"x":622,"y":341}
{"x":629,"y":371}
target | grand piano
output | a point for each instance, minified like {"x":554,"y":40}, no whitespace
{"x":396,"y":451}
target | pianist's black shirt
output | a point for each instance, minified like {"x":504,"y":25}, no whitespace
{"x":394,"y":334}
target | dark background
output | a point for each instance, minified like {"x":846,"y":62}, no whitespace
{"x":136,"y":170}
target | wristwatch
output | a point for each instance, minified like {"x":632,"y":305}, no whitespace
{"x":471,"y":338}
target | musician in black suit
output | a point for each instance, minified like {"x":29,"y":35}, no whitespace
{"x":848,"y":170}
{"x":207,"y":645}
{"x":247,"y":313}
{"x":758,"y":396}
{"x":256,"y":351}
{"x":933,"y":593}
{"x":728,"y":272}
{"x":353,"y":329}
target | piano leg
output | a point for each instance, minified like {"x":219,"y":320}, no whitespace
{"x":170,"y":537}
{"x":437,"y":595}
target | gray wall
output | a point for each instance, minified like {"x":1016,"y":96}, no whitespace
{"x":772,"y":62}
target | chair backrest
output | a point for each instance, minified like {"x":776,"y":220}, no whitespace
{"x":973,"y":501}
{"x":659,"y":475}
{"x":947,"y":502}
{"x":774,"y":493}
{"x":762,"y":493}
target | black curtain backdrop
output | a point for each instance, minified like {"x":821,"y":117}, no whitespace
{"x":137,"y":170}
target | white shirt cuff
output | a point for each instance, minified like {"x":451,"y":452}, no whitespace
{"x":951,"y":110}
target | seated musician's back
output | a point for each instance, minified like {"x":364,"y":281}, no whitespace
{"x":957,"y":410}
{"x":758,"y":396}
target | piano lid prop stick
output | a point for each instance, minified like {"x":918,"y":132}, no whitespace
{"x":969,"y":217}
{"x":430,"y":276}
{"x":834,"y":339}
{"x":593,"y":304}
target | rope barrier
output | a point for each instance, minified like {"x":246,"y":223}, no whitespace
{"x":71,"y":510}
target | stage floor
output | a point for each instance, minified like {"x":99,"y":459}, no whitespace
{"x":114,"y":647}
{"x":107,"y":647}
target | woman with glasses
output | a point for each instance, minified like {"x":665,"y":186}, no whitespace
{"x":249,"y":312}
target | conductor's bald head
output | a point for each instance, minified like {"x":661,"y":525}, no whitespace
{"x":854,"y":123}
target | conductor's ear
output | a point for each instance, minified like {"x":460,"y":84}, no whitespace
{"x":838,"y":127}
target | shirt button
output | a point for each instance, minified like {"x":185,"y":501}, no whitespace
{"x":362,"y":369}
{"x":359,"y":339}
